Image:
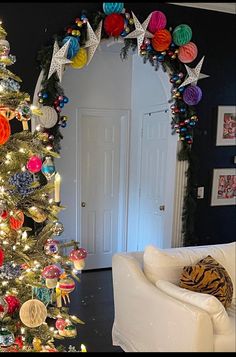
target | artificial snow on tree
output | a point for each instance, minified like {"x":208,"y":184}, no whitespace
{"x":35,"y":277}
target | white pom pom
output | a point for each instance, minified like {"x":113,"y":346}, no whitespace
{"x":49,"y":117}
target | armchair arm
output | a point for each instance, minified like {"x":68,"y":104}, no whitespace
{"x":152,"y":321}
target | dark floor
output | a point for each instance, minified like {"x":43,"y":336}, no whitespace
{"x":92,"y":302}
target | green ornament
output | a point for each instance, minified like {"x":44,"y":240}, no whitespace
{"x":182,"y":35}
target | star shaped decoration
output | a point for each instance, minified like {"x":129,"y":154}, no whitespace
{"x":194,"y":74}
{"x":59,"y":60}
{"x":94,"y":39}
{"x":140,"y":31}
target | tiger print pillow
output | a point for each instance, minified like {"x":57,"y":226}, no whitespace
{"x":209,"y":277}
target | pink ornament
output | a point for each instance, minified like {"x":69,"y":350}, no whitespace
{"x":51,"y":272}
{"x":187,"y":53}
{"x":78,"y":254}
{"x":157,"y":21}
{"x":66,"y":285}
{"x":34,"y":164}
{"x":60,"y":324}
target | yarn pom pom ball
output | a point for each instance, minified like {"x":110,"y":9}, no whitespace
{"x":182,"y":35}
{"x":73,"y":46}
{"x":113,"y":7}
{"x":80,"y":59}
{"x":157,"y":21}
{"x":114,"y":25}
{"x":48,"y":118}
{"x":161,"y":40}
{"x":5,"y":130}
{"x":192,"y":95}
{"x":187,"y":53}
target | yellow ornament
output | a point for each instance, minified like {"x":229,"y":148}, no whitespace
{"x":37,"y":214}
{"x":33,"y":313}
{"x":80,"y":59}
{"x":37,"y":344}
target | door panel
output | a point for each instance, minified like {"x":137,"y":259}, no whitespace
{"x":100,"y":175}
{"x":152,"y":178}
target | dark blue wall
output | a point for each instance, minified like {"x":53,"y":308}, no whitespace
{"x":32,"y":25}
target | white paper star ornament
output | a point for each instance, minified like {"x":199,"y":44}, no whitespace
{"x":140,"y":31}
{"x":59,"y":60}
{"x":94,"y":39}
{"x":194,"y":74}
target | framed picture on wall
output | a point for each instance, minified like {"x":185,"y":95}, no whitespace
{"x":223,"y":187}
{"x":226,"y":125}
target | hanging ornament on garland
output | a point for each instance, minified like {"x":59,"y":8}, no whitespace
{"x":5,"y":130}
{"x":113,"y":7}
{"x":33,"y":313}
{"x":194,"y":74}
{"x":140,"y":31}
{"x":114,"y":25}
{"x":80,"y":59}
{"x":48,"y":168}
{"x":73,"y":46}
{"x":48,"y":118}
{"x":192,"y":95}
{"x":157,"y":21}
{"x":187,"y":53}
{"x":182,"y":35}
{"x":93,"y":41}
{"x":161,"y":40}
{"x":59,"y":60}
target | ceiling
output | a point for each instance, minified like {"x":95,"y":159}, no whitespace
{"x":223,"y":6}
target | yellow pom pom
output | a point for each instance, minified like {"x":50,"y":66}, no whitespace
{"x":80,"y":59}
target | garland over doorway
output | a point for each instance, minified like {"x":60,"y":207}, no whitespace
{"x":157,"y":43}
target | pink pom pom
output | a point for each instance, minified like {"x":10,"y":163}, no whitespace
{"x":187,"y":53}
{"x":157,"y":21}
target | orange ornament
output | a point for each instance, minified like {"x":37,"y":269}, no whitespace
{"x":5,"y":130}
{"x":161,"y":40}
{"x":17,"y":220}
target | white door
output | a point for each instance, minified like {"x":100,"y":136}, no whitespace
{"x":103,"y":151}
{"x":154,"y":168}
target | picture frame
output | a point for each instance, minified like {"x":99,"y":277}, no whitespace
{"x":226,"y":125}
{"x":223,"y":187}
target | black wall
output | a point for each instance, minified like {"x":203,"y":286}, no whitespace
{"x":32,"y":25}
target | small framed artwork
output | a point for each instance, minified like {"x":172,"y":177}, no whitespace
{"x":226,"y":126}
{"x":223,"y":187}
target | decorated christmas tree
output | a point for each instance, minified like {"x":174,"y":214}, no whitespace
{"x":35,"y":277}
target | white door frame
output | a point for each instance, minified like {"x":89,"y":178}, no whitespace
{"x":124,"y":174}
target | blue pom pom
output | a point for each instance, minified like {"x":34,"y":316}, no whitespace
{"x":73,"y":46}
{"x":113,"y":7}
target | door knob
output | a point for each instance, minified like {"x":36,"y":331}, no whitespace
{"x":83,"y":204}
{"x":162,"y":208}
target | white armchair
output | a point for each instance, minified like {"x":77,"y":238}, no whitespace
{"x":150,"y":318}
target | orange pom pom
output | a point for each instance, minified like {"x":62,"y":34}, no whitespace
{"x":5,"y":130}
{"x":17,"y":220}
{"x":161,"y":40}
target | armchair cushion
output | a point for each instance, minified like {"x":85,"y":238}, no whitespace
{"x":167,"y":264}
{"x":210,"y":277}
{"x":209,"y":303}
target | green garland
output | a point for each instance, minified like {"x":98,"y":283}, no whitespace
{"x":180,"y":110}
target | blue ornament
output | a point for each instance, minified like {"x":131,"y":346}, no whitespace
{"x":73,"y":46}
{"x":48,"y":168}
{"x":113,"y":7}
{"x":65,"y":99}
{"x":43,"y":294}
